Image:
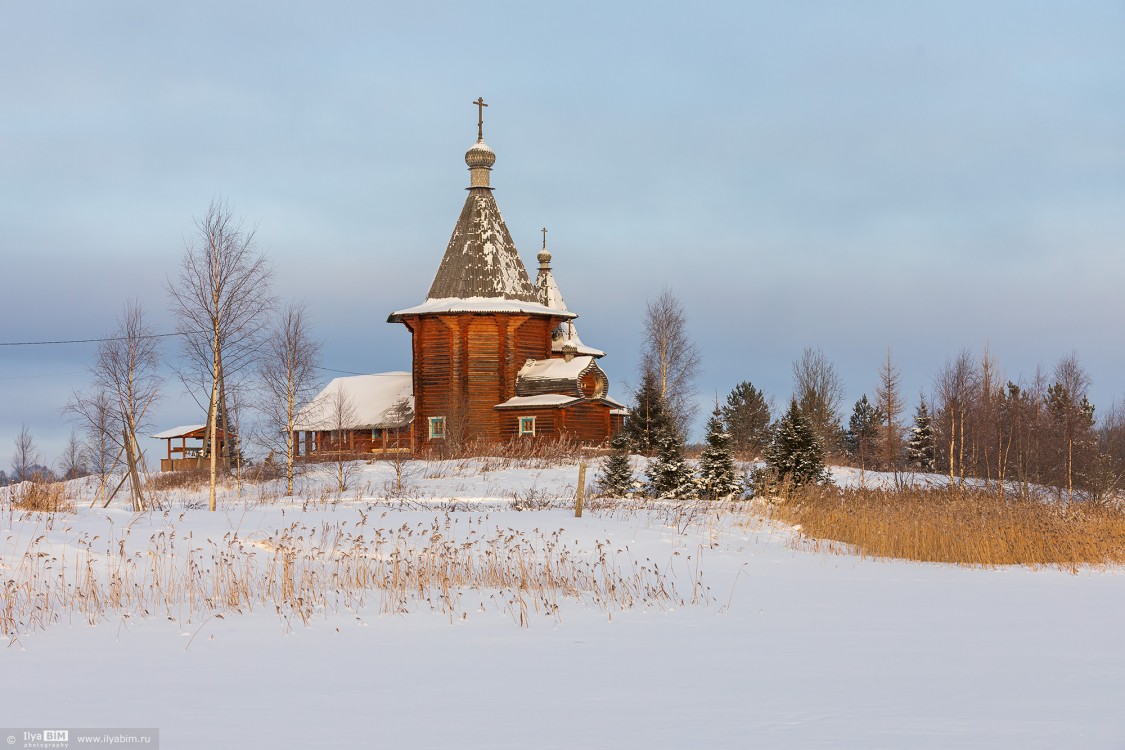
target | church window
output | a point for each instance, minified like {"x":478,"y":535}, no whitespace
{"x":527,"y":425}
{"x":437,"y":428}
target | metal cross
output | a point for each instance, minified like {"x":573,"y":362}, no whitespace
{"x":480,"y":117}
{"x":544,"y":238}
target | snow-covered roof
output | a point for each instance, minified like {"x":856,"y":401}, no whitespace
{"x":558,"y":400}
{"x":481,"y":260}
{"x":476,"y":305}
{"x":544,"y":399}
{"x":373,"y":401}
{"x":566,"y":334}
{"x":554,"y":369}
{"x":180,"y":431}
{"x":546,"y":288}
{"x":549,"y":294}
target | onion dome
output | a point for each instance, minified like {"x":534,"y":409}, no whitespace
{"x":480,"y":155}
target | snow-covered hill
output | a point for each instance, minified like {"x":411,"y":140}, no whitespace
{"x":760,"y":641}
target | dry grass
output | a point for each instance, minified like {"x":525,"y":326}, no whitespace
{"x":189,"y":479}
{"x":308,"y":570}
{"x":42,"y":497}
{"x":530,"y":453}
{"x":967,"y":526}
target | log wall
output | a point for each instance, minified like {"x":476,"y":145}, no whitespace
{"x":589,"y":422}
{"x":466,"y":363}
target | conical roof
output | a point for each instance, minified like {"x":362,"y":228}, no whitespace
{"x":481,"y":260}
{"x":549,"y":294}
{"x":481,"y":270}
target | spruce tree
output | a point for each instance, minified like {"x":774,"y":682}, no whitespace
{"x":920,"y":448}
{"x":796,"y":454}
{"x":863,"y":430}
{"x":616,"y":476}
{"x":648,"y":417}
{"x":746,"y":415}
{"x":669,"y":473}
{"x":718,"y":478}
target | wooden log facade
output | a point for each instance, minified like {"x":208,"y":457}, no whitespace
{"x":483,"y":343}
{"x":465,"y":364}
{"x":375,"y":441}
{"x":589,"y":423}
{"x":480,"y":338}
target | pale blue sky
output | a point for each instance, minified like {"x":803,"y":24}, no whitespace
{"x":853,"y":176}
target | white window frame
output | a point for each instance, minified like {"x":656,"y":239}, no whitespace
{"x":525,"y":431}
{"x":439,"y":423}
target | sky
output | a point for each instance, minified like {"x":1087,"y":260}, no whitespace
{"x":856,"y":177}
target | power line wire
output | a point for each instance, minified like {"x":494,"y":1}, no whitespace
{"x":47,"y":375}
{"x":89,"y":341}
{"x":345,"y":372}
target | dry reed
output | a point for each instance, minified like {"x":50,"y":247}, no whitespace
{"x":303,"y":571}
{"x":966,"y":526}
{"x":42,"y":497}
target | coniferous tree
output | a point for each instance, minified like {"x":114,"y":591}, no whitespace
{"x":920,"y":446}
{"x":718,"y":478}
{"x":796,"y":454}
{"x":669,"y":473}
{"x":648,"y":417}
{"x":746,"y":415}
{"x":1070,"y":419}
{"x":863,"y":430}
{"x":616,"y":476}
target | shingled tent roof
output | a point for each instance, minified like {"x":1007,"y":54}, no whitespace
{"x":549,"y":294}
{"x":481,"y":262}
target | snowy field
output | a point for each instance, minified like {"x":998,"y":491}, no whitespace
{"x":758,"y":640}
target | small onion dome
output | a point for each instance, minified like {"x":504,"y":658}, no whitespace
{"x":480,"y":155}
{"x":544,"y":257}
{"x":569,"y":350}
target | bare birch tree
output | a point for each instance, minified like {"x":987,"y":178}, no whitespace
{"x":669,"y":353}
{"x":221,"y":301}
{"x":1071,"y":416}
{"x":26,"y":458}
{"x":339,"y":419}
{"x":126,"y":370}
{"x":955,"y":386}
{"x":288,"y":374}
{"x":93,"y":412}
{"x":73,"y":461}
{"x":819,"y":392}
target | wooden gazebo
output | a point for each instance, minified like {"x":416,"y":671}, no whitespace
{"x":183,"y":456}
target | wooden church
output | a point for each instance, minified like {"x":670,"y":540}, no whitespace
{"x":496,"y":358}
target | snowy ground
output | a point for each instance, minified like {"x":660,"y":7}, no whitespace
{"x":783,"y":647}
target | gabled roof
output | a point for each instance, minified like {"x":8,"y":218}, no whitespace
{"x":181,"y":431}
{"x":369,"y":401}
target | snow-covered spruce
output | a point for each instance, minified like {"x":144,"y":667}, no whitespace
{"x":718,"y":477}
{"x":669,"y":473}
{"x":616,"y":476}
{"x":796,"y":454}
{"x":920,"y":448}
